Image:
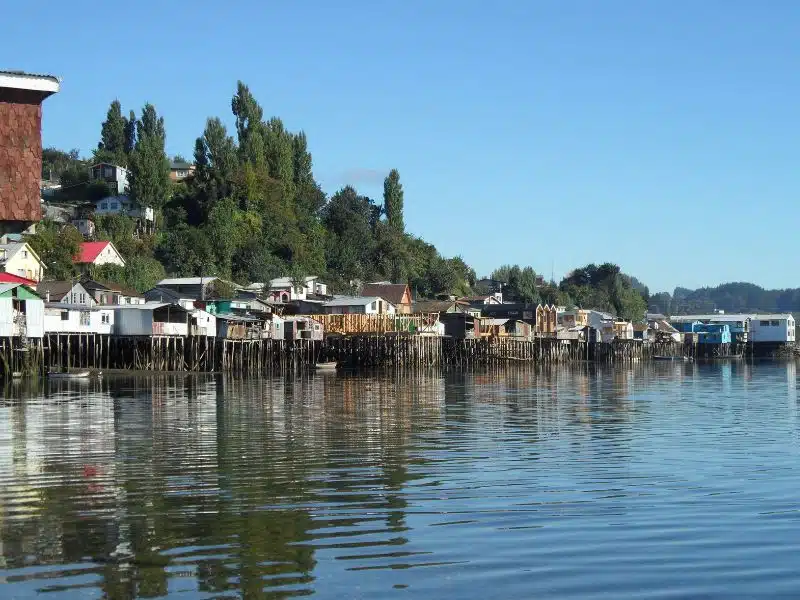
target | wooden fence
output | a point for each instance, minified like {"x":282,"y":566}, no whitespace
{"x":354,"y":324}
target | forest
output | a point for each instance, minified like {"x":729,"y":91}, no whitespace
{"x":253,"y":211}
{"x":734,"y":297}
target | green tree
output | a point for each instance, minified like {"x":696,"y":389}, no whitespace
{"x":393,"y":201}
{"x":111,"y":147}
{"x":56,"y":247}
{"x":149,"y":182}
{"x":130,"y":134}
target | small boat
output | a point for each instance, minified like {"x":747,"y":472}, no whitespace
{"x":69,"y":374}
{"x":667,"y":358}
{"x":326,"y":366}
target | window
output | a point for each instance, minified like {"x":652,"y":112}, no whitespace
{"x":21,"y":272}
{"x":773,"y":323}
{"x":64,"y":315}
{"x":104,"y":318}
{"x":108,"y":172}
{"x":104,"y":206}
{"x":83,"y":298}
{"x":114,"y":205}
{"x":373,"y":306}
{"x":764,"y":323}
{"x":24,"y":254}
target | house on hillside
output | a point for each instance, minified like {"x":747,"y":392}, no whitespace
{"x":123,"y":205}
{"x":21,"y":312}
{"x":398,"y":294}
{"x":85,"y":227}
{"x":284,"y":290}
{"x":359,"y":305}
{"x":21,"y":97}
{"x":519,"y":311}
{"x":96,"y":254}
{"x":481,"y":301}
{"x":114,"y":176}
{"x":423,"y":307}
{"x":179,"y":170}
{"x":65,"y":292}
{"x":19,"y":259}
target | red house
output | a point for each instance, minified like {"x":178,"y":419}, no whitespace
{"x":21,"y":96}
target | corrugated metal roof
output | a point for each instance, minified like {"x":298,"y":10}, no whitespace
{"x":187,"y":280}
{"x":26,"y":74}
{"x":712,"y":317}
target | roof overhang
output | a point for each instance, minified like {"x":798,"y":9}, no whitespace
{"x":17,"y":80}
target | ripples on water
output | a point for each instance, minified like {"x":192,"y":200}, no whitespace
{"x":661,"y":481}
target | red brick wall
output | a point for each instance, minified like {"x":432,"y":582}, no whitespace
{"x":20,"y":155}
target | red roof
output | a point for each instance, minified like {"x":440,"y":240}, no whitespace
{"x":90,"y":251}
{"x":10,"y":278}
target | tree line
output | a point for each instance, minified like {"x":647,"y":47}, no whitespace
{"x":253,"y":211}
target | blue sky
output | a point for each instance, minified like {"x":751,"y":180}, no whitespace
{"x":661,"y":135}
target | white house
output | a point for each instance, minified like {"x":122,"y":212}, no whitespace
{"x":67,"y":318}
{"x":123,"y":205}
{"x":65,"y":292}
{"x":98,"y":253}
{"x":772,"y":328}
{"x":359,"y":305}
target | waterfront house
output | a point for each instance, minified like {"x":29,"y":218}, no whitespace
{"x":97,"y":254}
{"x":202,"y":323}
{"x":739,"y":324}
{"x":623,"y":330}
{"x":70,"y":318}
{"x":21,"y":97}
{"x":398,"y":294}
{"x":572,"y":319}
{"x":641,"y":331}
{"x":114,"y":176}
{"x":21,"y":311}
{"x":300,"y":327}
{"x":65,"y":292}
{"x":546,"y":321}
{"x":228,"y":306}
{"x":713,"y":333}
{"x":462,"y":326}
{"x":519,"y":311}
{"x":243,"y":327}
{"x":359,"y":305}
{"x":18,"y":258}
{"x":151,"y":319}
{"x":197,"y":288}
{"x":769,"y":328}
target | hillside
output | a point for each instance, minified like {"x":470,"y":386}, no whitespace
{"x":730,"y":297}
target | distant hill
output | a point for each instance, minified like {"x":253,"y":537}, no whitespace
{"x":730,"y":297}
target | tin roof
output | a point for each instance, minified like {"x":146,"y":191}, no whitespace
{"x":36,"y":82}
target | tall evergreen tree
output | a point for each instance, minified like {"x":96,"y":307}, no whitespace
{"x":393,"y":201}
{"x":249,"y":126}
{"x":149,"y":165}
{"x":130,"y":134}
{"x":111,"y":147}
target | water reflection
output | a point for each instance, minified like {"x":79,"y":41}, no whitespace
{"x":213,"y":486}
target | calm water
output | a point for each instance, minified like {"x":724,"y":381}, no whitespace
{"x":660,"y":481}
